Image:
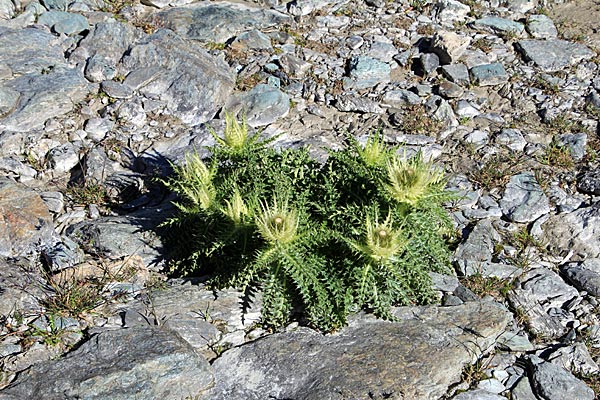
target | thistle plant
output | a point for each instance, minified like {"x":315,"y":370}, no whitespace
{"x":310,"y":235}
{"x":413,"y":180}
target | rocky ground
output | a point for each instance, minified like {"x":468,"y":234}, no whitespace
{"x":98,"y":96}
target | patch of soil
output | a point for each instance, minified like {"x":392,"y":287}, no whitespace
{"x":578,"y":20}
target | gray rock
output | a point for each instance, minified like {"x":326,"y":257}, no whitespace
{"x":305,"y":7}
{"x":450,"y":90}
{"x":575,"y":142}
{"x":347,"y":103}
{"x":147,"y":363}
{"x":262,"y":105}
{"x":21,"y":289}
{"x":40,"y":48}
{"x":366,"y":72}
{"x":489,"y":269}
{"x":399,"y":98}
{"x":523,"y":199}
{"x":542,"y":296}
{"x":116,"y":90}
{"x":55,"y":201}
{"x":489,"y":74}
{"x":42,"y":96}
{"x":523,"y":390}
{"x":108,"y":42}
{"x":577,"y":232}
{"x":499,"y":25}
{"x":593,"y":99}
{"x":61,"y":5}
{"x":553,"y":54}
{"x":541,"y":27}
{"x":97,"y":128}
{"x":491,"y":386}
{"x":62,"y":255}
{"x":589,"y":182}
{"x":294,"y":66}
{"x":218,"y":22}
{"x":17,"y":170}
{"x":7,"y":9}
{"x":64,"y":22}
{"x":449,"y":46}
{"x":457,"y":73}
{"x":575,"y":358}
{"x":64,"y":158}
{"x":383,"y":51}
{"x":584,"y":275}
{"x":119,"y":237}
{"x":479,"y":244}
{"x":511,"y":138}
{"x":478,"y":394}
{"x":180,"y":73}
{"x":511,"y":341}
{"x":195,"y":312}
{"x":8,"y":100}
{"x":253,"y":40}
{"x":368,"y":359}
{"x":429,"y":62}
{"x":451,"y":10}
{"x":550,"y":381}
{"x":26,"y":222}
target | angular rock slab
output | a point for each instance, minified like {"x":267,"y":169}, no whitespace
{"x":550,"y":381}
{"x":368,"y":359}
{"x":25,"y":221}
{"x":544,"y":297}
{"x":262,"y":105}
{"x":217,"y":22}
{"x":578,"y":231}
{"x":523,"y":199}
{"x":585,"y":275}
{"x":192,"y":83}
{"x":40,"y":49}
{"x":553,"y":54}
{"x":44,"y":95}
{"x":20,"y":289}
{"x":137,"y":363}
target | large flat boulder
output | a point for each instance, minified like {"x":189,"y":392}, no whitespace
{"x":142,"y":363}
{"x":417,"y":357}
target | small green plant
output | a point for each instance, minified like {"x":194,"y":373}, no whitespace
{"x":361,"y":230}
{"x":416,"y":121}
{"x":557,"y":155}
{"x":496,"y":170}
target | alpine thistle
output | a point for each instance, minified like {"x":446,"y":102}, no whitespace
{"x":411,"y":180}
{"x":277,"y":223}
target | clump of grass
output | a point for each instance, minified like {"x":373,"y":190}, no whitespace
{"x":360,"y":231}
{"x":87,"y":193}
{"x":556,"y":155}
{"x":496,"y":170}
{"x":416,"y":121}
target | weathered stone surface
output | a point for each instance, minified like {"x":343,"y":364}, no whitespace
{"x":541,"y":27}
{"x":553,"y":54}
{"x":575,"y":358}
{"x":366,"y":72}
{"x":217,"y":22}
{"x":117,"y":237}
{"x":543,"y":296}
{"x":195,"y":311}
{"x":478,"y":394}
{"x":479,"y":245}
{"x":589,"y":182}
{"x":64,"y":22}
{"x":523,"y":199}
{"x":192,"y":84}
{"x":25,"y":221}
{"x":21,"y":289}
{"x":262,"y":105}
{"x":550,"y":381}
{"x":368,"y":359}
{"x":457,"y":73}
{"x":577,"y":231}
{"x":489,"y":74}
{"x":585,"y":275}
{"x":499,"y":25}
{"x":449,"y":46}
{"x":357,"y":104}
{"x":149,"y":363}
{"x":42,"y":96}
{"x":41,"y":49}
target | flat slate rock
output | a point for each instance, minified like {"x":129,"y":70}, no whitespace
{"x":136,"y":363}
{"x":553,"y":54}
{"x":25,"y":222}
{"x":550,"y":381}
{"x":21,"y":289}
{"x":577,"y":231}
{"x":218,"y":22}
{"x":180,"y":73}
{"x":368,"y":359}
{"x":523,"y":199}
{"x":262,"y":105}
{"x":589,"y":182}
{"x":584,"y":275}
